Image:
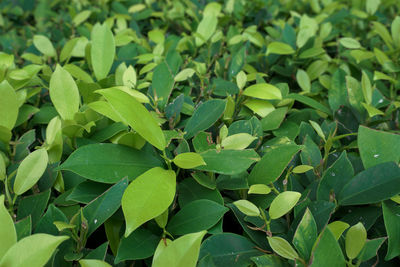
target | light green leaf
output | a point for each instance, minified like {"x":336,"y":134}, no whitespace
{"x":32,"y":251}
{"x":81,"y":17}
{"x":281,"y":247}
{"x":247,"y":207}
{"x":279,"y":49}
{"x":350,"y":43}
{"x":337,"y":228}
{"x":283,"y":203}
{"x":63,"y":225}
{"x":3,"y":171}
{"x":184,"y":74}
{"x":395,"y":29}
{"x":8,"y":105}
{"x":327,"y":252}
{"x":188,"y":160}
{"x":263,"y":91}
{"x":260,"y":107}
{"x":8,"y":235}
{"x":237,"y":141}
{"x":135,"y":115}
{"x":148,"y":196}
{"x":241,"y":79}
{"x":260,"y":189}
{"x":102,"y":50}
{"x":30,"y":170}
{"x":183,"y":251}
{"x":318,"y":129}
{"x":355,"y":240}
{"x":44,"y":45}
{"x":302,"y":168}
{"x":64,"y":93}
{"x":208,"y":24}
{"x":303,"y":80}
{"x":93,"y":263}
{"x":372,"y":111}
{"x":305,"y":235}
{"x":129,"y":77}
{"x":366,"y":88}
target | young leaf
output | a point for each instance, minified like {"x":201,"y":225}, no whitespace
{"x":64,"y":93}
{"x":184,"y":75}
{"x":350,"y":43}
{"x":8,"y":105}
{"x":355,"y":240}
{"x":237,"y":141}
{"x":183,"y":251}
{"x":337,"y":228}
{"x":148,"y":196}
{"x":279,"y":49}
{"x":102,"y":51}
{"x":34,"y":250}
{"x":30,"y":170}
{"x":263,"y":91}
{"x":247,"y":207}
{"x":135,"y":115}
{"x":188,"y":160}
{"x":305,"y":235}
{"x":327,"y":252}
{"x":93,"y":263}
{"x":44,"y":45}
{"x":281,"y":247}
{"x":283,"y":203}
{"x":303,"y":80}
{"x":260,"y":189}
{"x":129,"y":77}
{"x":302,"y":168}
{"x":8,"y":234}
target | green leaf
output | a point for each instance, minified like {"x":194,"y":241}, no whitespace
{"x":184,"y":74}
{"x":135,"y":115}
{"x":247,"y":207}
{"x":371,"y":248}
{"x":392,"y":225}
{"x":109,"y":163}
{"x":30,"y":170}
{"x":227,"y":249}
{"x":350,"y":43}
{"x":355,"y":240}
{"x":318,"y":129}
{"x":34,"y":250}
{"x":183,"y":251}
{"x":208,"y":24}
{"x":64,"y":93}
{"x":260,"y":107}
{"x":93,"y":263}
{"x":366,"y":88}
{"x":162,"y":83}
{"x":302,"y":168}
{"x":310,"y":102}
{"x":8,"y":235}
{"x":102,"y":51}
{"x":260,"y":189}
{"x":303,"y":80}
{"x":3,"y":171}
{"x":204,"y":117}
{"x":237,"y":141}
{"x":327,"y":252}
{"x":8,"y":105}
{"x":148,"y":196}
{"x":196,"y":216}
{"x":395,"y":29}
{"x":129,"y":77}
{"x":188,"y":160}
{"x":337,"y":228}
{"x":274,"y":119}
{"x":228,"y":162}
{"x":44,"y":45}
{"x":373,"y":185}
{"x":81,"y":17}
{"x":272,"y":164}
{"x":281,"y":247}
{"x":283,"y":203}
{"x":263,"y":91}
{"x":279,"y":49}
{"x":305,"y":235}
{"x":337,"y":94}
{"x":377,"y":146}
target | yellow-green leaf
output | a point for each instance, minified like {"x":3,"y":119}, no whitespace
{"x":281,"y":247}
{"x":279,"y":48}
{"x":283,"y":203}
{"x":237,"y":141}
{"x":337,"y":228}
{"x":247,"y":207}
{"x":302,"y":168}
{"x":263,"y":91}
{"x":8,"y":235}
{"x":8,"y":105}
{"x":188,"y":160}
{"x":260,"y":189}
{"x":93,"y":263}
{"x":355,"y":240}
{"x":102,"y":50}
{"x":43,"y":44}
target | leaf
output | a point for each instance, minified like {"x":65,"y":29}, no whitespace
{"x":8,"y":235}
{"x":371,"y":248}
{"x":337,"y":228}
{"x":350,"y":43}
{"x":228,"y":162}
{"x":247,"y":208}
{"x":263,"y":91}
{"x":274,"y":119}
{"x":237,"y":141}
{"x":373,"y":185}
{"x":188,"y":160}
{"x":64,"y":93}
{"x":281,"y":247}
{"x":184,"y":74}
{"x":366,"y":88}
{"x":102,"y":51}
{"x":303,"y":80}
{"x":272,"y":164}
{"x":141,"y":244}
{"x":318,"y":129}
{"x":310,"y":102}
{"x":208,"y":24}
{"x":129,"y":77}
{"x":162,"y":83}
{"x":260,"y":189}
{"x":148,"y":196}
{"x":260,"y":107}
{"x":302,"y":168}
{"x":34,"y":250}
{"x":305,"y":235}
{"x":204,"y":117}
{"x":283,"y":203}
{"x":279,"y":49}
{"x":103,"y":206}
{"x":135,"y":115}
{"x":93,"y":263}
{"x":109,"y":163}
{"x":44,"y":45}
{"x":327,"y":252}
{"x":183,"y":251}
{"x":337,"y":94}
{"x":196,"y":216}
{"x":355,"y":240}
{"x":30,"y":170}
{"x":392,"y":225}
{"x":228,"y":249}
{"x":8,"y":105}
{"x":395,"y":29}
{"x":377,"y":146}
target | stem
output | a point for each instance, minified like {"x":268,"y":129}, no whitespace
{"x":167,"y":160}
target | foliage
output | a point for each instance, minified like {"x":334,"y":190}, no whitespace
{"x":198,"y":133}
